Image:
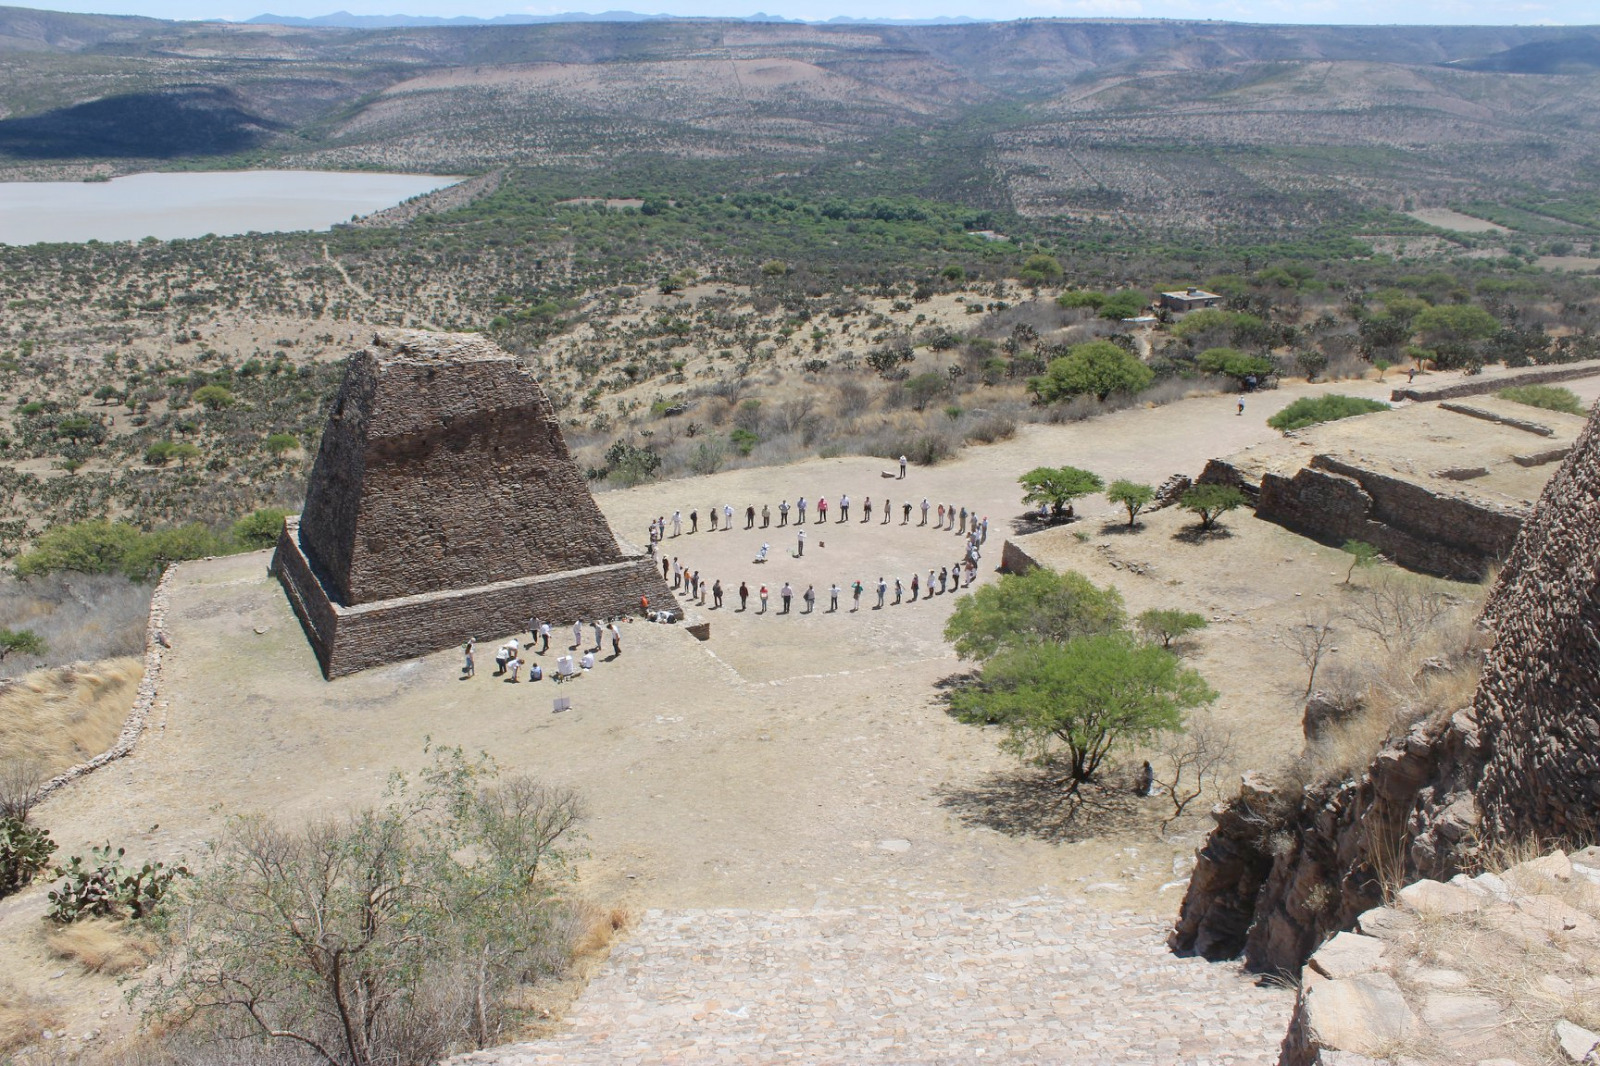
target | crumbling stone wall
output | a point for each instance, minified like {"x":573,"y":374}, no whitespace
{"x":1287,"y":866}
{"x":1478,"y":385}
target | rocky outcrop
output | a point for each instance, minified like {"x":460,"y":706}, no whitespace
{"x":1522,"y":762}
{"x":1428,"y":973}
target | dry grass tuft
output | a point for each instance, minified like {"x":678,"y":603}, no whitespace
{"x":599,"y":932}
{"x":23,"y":1018}
{"x":64,"y":715}
{"x":102,"y":946}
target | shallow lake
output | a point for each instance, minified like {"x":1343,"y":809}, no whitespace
{"x":192,"y":205}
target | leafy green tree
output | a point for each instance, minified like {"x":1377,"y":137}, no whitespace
{"x":1454,"y":323}
{"x":1124,"y":304}
{"x":1081,"y":298}
{"x":107,"y":394}
{"x":84,"y":547}
{"x":1094,"y":368}
{"x":154,"y":552}
{"x":1082,"y":699}
{"x":1235,"y":364}
{"x":184,"y":451}
{"x":1361,"y":554}
{"x":925,"y":388}
{"x":1167,"y":625}
{"x":1131,"y":495}
{"x":1040,"y":270}
{"x":1058,"y":486}
{"x":214,"y":397}
{"x":1309,"y":410}
{"x":21,"y":641}
{"x":158,"y":453}
{"x":1211,"y":502}
{"x":260,"y":529}
{"x":278,"y":443}
{"x":1040,"y":605}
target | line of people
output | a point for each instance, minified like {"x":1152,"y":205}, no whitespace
{"x":947,"y":517}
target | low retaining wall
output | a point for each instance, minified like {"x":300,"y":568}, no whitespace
{"x":1478,"y":385}
{"x":350,"y":639}
{"x":155,"y":646}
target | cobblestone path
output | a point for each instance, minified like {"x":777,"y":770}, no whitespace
{"x":1034,"y":981}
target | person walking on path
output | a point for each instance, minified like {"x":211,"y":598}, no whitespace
{"x":905,"y":519}
{"x":924,"y":512}
{"x":616,"y":640}
{"x":866,"y":509}
{"x":766,"y":516}
{"x":914,"y":588}
{"x":902,"y":468}
{"x":786,"y":594}
{"x":811,"y":598}
{"x":763,"y":600}
{"x":716,"y":593}
{"x":544,"y":635}
{"x":744,"y":596}
{"x":883,"y":590}
{"x":822,"y":509}
{"x":833,"y":597}
{"x":727,"y":516}
{"x":800,"y":545}
{"x":800,"y":511}
{"x":750,"y":516}
{"x":469,"y":668}
{"x":844,"y":508}
{"x":855,"y":595}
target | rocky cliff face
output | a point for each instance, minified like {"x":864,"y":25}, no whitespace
{"x":1288,"y":865}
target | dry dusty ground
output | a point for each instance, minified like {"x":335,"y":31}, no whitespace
{"x":788,"y":762}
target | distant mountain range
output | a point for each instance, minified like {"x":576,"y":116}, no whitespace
{"x":378,"y":22}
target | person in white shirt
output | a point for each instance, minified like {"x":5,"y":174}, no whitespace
{"x":587,"y":662}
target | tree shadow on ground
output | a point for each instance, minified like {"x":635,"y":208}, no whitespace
{"x":1198,"y":534}
{"x":1033,"y":802}
{"x":1030,"y":522}
{"x":1121,"y":528}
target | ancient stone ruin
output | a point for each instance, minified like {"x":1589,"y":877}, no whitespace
{"x":1286,"y":867}
{"x":444,"y":504}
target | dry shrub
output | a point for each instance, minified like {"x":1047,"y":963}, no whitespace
{"x":78,"y":616}
{"x":101,"y":945}
{"x":23,"y":1018}
{"x":600,"y":927}
{"x":65,"y":715}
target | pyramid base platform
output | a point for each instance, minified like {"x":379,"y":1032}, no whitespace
{"x":350,"y":639}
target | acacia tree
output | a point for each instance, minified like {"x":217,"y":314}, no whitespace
{"x":1058,"y":486}
{"x":1094,"y":368}
{"x":22,"y":641}
{"x":1040,"y":605}
{"x":1211,"y":502}
{"x":1132,"y":495}
{"x":1074,"y":703}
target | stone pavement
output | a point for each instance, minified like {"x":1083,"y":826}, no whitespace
{"x":1038,"y":980}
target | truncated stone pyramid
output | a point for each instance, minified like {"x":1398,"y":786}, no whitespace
{"x":443,"y":504}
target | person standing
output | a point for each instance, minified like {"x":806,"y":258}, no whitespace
{"x":783,"y":514}
{"x":822,"y":509}
{"x":763,"y":600}
{"x":800,"y":545}
{"x":961,"y":527}
{"x":833,"y":597}
{"x":811,"y":598}
{"x":677,"y":523}
{"x":902,"y":468}
{"x":1241,"y":405}
{"x":597,"y":629}
{"x":544,"y":635}
{"x":883,"y":590}
{"x":744,"y":595}
{"x":939,"y":525}
{"x":930,"y":583}
{"x":750,"y":517}
{"x":800,"y":511}
{"x":786,"y":594}
{"x":577,"y":634}
{"x":855,"y":595}
{"x":716,"y":593}
{"x":469,"y":668}
{"x":924,"y":512}
{"x":983,"y":530}
{"x":766,"y":516}
{"x":905,"y":519}
{"x":844,"y":508}
{"x":616,"y":640}
{"x":914,"y":588}
{"x":664,"y":568}
{"x":727,"y":516}
{"x":944,"y":578}
{"x":899,"y":590}
{"x":694,"y":521}
{"x":713,"y":518}
{"x":866,"y":509}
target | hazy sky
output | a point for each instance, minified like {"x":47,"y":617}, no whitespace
{"x":1369,"y":12}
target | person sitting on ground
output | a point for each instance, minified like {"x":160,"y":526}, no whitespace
{"x":587,"y":662}
{"x":761,"y":556}
{"x":535,"y":672}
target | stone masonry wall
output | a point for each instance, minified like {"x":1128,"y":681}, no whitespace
{"x":1477,"y":386}
{"x":349,"y":639}
{"x":443,"y":467}
{"x":1288,"y":866}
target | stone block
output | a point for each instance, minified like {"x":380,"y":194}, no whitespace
{"x":1433,"y":899}
{"x":1459,"y":1021}
{"x":1577,"y":1043}
{"x":1349,"y":954}
{"x":1366,"y":1014}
